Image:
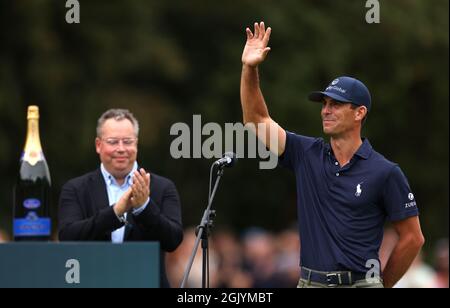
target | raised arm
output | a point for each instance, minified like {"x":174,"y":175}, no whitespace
{"x":254,"y":108}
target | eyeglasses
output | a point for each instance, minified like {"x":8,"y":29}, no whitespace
{"x":114,"y":142}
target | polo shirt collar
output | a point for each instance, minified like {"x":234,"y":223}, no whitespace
{"x":364,"y":150}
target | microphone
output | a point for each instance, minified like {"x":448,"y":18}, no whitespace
{"x":228,"y":160}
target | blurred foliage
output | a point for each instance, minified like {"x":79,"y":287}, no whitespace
{"x":166,"y":61}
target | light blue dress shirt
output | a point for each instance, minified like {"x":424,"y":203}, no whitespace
{"x":115,"y":192}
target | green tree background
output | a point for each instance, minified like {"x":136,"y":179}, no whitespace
{"x":168,"y":60}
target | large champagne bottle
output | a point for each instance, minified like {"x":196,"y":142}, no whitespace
{"x":32,"y":191}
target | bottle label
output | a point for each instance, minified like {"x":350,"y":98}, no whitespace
{"x":32,"y":225}
{"x":32,"y":157}
{"x":31,"y":203}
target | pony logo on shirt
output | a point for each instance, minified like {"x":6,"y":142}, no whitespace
{"x":358,"y":190}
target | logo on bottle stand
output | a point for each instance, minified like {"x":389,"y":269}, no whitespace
{"x":32,"y":216}
{"x":31,"y":203}
{"x":32,"y":225}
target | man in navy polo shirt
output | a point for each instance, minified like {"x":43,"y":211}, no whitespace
{"x":345,"y":189}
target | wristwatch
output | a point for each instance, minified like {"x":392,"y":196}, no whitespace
{"x":121,"y":218}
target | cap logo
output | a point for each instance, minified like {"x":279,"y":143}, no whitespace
{"x":336,"y":88}
{"x":335,"y":81}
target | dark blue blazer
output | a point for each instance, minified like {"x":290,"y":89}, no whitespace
{"x":85,"y":215}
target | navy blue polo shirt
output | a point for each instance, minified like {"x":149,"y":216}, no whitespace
{"x":342,"y":210}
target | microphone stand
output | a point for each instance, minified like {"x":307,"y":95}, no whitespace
{"x":203,"y":232}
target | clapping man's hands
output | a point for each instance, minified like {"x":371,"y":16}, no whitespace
{"x":140,"y":188}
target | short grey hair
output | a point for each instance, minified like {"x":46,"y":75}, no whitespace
{"x":118,"y":115}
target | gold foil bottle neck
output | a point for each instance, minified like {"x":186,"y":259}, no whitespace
{"x":33,"y":149}
{"x":33,"y":112}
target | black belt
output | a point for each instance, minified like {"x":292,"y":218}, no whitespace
{"x":331,"y":279}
